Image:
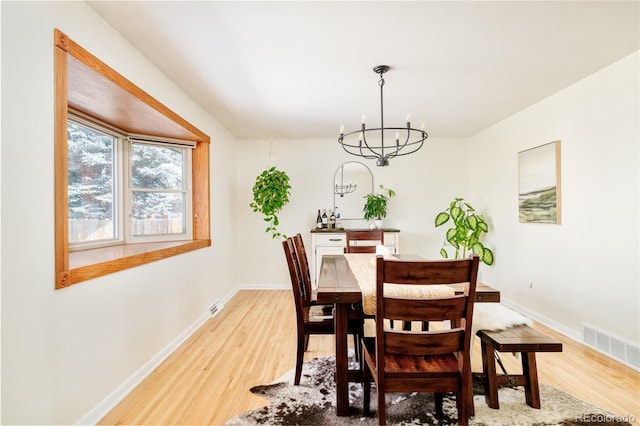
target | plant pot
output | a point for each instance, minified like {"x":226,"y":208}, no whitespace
{"x":378,"y":223}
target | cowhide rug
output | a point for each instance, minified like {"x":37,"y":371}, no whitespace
{"x":313,"y":403}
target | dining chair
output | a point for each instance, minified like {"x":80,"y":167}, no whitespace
{"x":314,"y":319}
{"x":310,"y":295}
{"x":435,"y":361}
{"x":369,"y":236}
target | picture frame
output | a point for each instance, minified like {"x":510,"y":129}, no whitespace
{"x":539,"y":186}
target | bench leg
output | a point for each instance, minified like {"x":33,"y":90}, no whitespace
{"x":530,"y":372}
{"x":490,"y":378}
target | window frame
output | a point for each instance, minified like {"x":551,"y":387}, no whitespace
{"x":129,"y":190}
{"x":81,"y":82}
{"x":118,"y":170}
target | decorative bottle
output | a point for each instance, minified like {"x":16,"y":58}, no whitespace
{"x":332,"y":220}
{"x":325,"y":219}
{"x":319,"y":220}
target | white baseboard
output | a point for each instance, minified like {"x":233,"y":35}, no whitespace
{"x":119,"y":393}
{"x":276,"y":286}
{"x":554,"y":325}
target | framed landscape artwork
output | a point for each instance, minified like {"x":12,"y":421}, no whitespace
{"x":539,"y":184}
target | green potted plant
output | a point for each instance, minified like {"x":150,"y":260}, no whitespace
{"x":375,"y":206}
{"x":270,"y":195}
{"x":465,"y":234}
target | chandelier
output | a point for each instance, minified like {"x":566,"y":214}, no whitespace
{"x":370,"y":142}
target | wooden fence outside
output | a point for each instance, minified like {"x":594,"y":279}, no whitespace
{"x":102,"y":229}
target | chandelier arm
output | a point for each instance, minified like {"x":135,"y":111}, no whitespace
{"x":411,"y":144}
{"x":369,"y":147}
{"x":355,"y":148}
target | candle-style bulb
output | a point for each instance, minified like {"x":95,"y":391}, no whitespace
{"x":364,"y":117}
{"x":408,"y":118}
{"x":342,"y":129}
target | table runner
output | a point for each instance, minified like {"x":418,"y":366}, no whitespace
{"x":363,"y":267}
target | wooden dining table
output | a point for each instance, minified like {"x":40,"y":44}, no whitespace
{"x":338,"y":285}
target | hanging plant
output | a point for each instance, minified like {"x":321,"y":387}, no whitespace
{"x":270,"y":195}
{"x":467,"y":229}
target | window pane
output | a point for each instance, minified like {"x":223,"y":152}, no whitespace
{"x":156,"y":167}
{"x":157,"y":213}
{"x":91,"y":185}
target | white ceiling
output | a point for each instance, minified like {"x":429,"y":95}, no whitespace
{"x":300,"y":69}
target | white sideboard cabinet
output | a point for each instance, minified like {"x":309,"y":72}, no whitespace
{"x":335,"y":242}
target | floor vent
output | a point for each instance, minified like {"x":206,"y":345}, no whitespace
{"x":213,"y":309}
{"x":618,"y":349}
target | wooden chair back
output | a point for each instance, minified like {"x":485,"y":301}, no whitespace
{"x":372,"y":236}
{"x":458,"y":309}
{"x":305,"y":273}
{"x":296,"y":281}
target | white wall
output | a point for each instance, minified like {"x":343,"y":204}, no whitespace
{"x":65,"y":351}
{"x":586,"y":269}
{"x":425,"y":183}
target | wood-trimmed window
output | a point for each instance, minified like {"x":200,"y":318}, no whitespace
{"x":86,"y":84}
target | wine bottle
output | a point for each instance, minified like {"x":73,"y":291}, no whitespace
{"x":332,"y":220}
{"x":319,"y":220}
{"x":325,"y":219}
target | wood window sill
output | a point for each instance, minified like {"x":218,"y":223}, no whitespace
{"x":88,"y":264}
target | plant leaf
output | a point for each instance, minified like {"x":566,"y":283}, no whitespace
{"x":444,"y":253}
{"x":451,"y":234}
{"x":478,"y":249}
{"x":487,"y":256}
{"x":456,"y":212}
{"x":442,"y":218}
{"x":472,"y":221}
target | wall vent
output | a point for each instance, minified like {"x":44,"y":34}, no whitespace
{"x":615,"y":347}
{"x":213,"y":309}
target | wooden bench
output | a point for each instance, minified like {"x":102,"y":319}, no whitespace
{"x":525,"y":340}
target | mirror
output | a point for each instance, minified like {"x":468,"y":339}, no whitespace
{"x":352,"y":181}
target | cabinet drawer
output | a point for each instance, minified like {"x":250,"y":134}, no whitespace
{"x":333,"y":240}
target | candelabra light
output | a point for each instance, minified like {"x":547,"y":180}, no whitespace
{"x":342,"y":188}
{"x":370,"y":142}
{"x":345,"y":189}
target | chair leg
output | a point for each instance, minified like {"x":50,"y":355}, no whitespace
{"x":306,"y":342}
{"x":461,"y":403}
{"x":366,"y":391}
{"x":302,"y":342}
{"x":439,"y":396}
{"x":382,"y":408}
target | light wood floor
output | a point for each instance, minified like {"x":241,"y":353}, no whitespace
{"x":252,"y":342}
